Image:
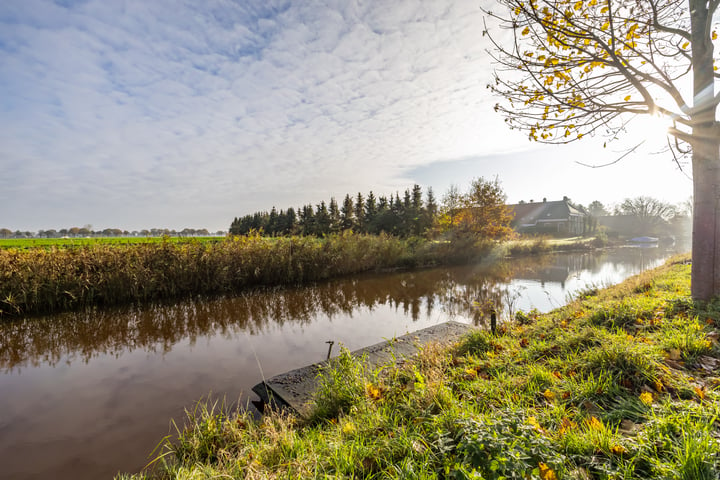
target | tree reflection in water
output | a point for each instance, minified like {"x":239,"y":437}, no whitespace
{"x":468,"y":291}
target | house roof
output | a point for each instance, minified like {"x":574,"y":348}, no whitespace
{"x":543,"y":212}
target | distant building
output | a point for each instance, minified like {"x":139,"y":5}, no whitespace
{"x":553,"y":218}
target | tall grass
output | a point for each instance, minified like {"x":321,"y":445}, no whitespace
{"x":56,"y":279}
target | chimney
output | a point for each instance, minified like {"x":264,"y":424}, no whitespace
{"x":544,"y":199}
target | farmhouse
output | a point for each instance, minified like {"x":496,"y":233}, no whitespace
{"x":555,"y":217}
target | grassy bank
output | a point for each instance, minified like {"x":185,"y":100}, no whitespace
{"x":621,"y":383}
{"x":55,"y":279}
{"x":544,"y":244}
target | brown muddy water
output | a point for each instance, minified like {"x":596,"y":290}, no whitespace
{"x":86,"y":395}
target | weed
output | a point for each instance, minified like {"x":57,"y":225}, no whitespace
{"x":341,"y":386}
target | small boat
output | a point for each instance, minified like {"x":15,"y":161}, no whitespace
{"x":644,"y":240}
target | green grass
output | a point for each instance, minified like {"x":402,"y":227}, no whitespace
{"x":612,"y":386}
{"x":27,"y":243}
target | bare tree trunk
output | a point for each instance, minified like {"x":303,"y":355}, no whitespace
{"x":706,"y":217}
{"x":706,"y":160}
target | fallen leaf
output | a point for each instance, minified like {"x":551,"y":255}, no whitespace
{"x":546,"y":473}
{"x":618,"y":449}
{"x":700,"y":392}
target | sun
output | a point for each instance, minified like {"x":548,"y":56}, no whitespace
{"x":653,"y":129}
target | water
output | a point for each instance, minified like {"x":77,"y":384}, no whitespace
{"x":85,"y":395}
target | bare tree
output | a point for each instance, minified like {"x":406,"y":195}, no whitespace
{"x":650,"y":212}
{"x":582,"y":67}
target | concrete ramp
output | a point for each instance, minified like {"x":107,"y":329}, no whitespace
{"x":294,"y":390}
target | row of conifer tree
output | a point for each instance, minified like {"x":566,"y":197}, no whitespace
{"x":407,"y":216}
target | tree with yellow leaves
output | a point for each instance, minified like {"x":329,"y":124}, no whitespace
{"x":479,"y":213}
{"x":581,"y":67}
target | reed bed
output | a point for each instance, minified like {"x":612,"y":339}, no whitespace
{"x":57,"y":279}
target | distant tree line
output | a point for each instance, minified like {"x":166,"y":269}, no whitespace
{"x":411,"y":214}
{"x":644,"y":213}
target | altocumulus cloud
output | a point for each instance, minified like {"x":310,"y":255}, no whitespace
{"x":136,"y":113}
{"x":174,"y":113}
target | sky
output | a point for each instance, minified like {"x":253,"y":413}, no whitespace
{"x":138,"y":114}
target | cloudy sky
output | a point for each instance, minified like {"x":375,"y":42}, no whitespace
{"x":184,"y":113}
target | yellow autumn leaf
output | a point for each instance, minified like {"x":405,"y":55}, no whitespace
{"x":595,"y":424}
{"x":627,"y":99}
{"x":700,"y":392}
{"x":550,"y":396}
{"x":526,"y":30}
{"x":532,"y":421}
{"x":546,"y":473}
{"x":714,"y":35}
{"x":374,"y":392}
{"x":685,"y":45}
{"x":618,"y":449}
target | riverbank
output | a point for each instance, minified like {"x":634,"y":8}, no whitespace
{"x":620,"y":383}
{"x":55,"y":279}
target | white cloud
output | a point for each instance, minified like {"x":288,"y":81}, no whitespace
{"x":190,"y":113}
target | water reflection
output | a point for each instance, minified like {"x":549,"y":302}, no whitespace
{"x":461,"y":292}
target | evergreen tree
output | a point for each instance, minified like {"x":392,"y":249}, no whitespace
{"x":272,"y":222}
{"x":322,"y":219}
{"x":370,"y":212}
{"x":360,"y":213}
{"x":430,"y":211}
{"x":381,"y":217}
{"x":334,"y":213}
{"x":346,"y":213}
{"x":307,"y":220}
{"x":290,"y":222}
{"x":416,"y":211}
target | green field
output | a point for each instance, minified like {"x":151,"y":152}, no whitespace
{"x":24,"y":243}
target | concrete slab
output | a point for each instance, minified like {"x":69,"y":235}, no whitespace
{"x":294,"y":389}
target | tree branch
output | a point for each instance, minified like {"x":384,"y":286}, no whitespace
{"x":614,"y":161}
{"x":666,"y":29}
